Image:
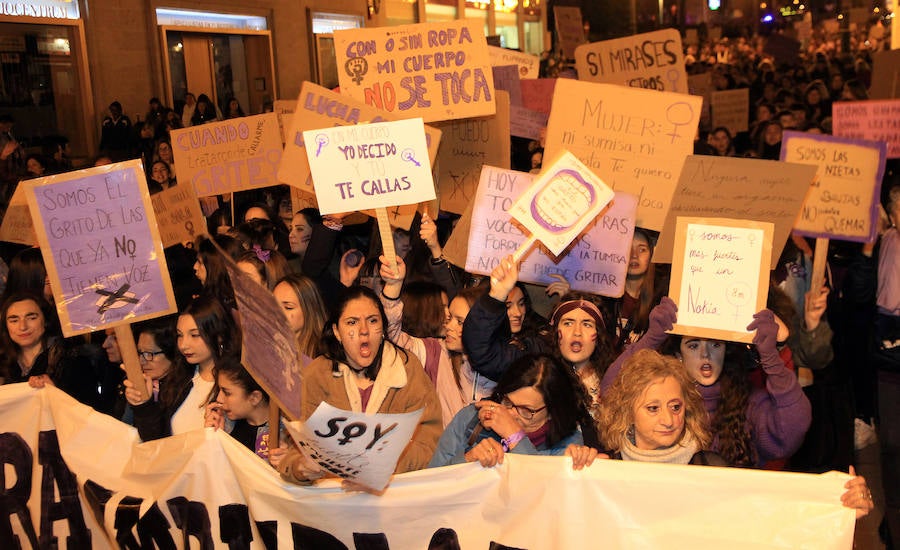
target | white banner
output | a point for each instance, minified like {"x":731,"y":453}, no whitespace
{"x":77,"y":478}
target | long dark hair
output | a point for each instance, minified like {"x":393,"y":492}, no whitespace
{"x":217,"y":284}
{"x":563,"y":394}
{"x":603,"y":354}
{"x":423,"y":312}
{"x":10,"y":350}
{"x":333,"y":348}
{"x":27,"y":274}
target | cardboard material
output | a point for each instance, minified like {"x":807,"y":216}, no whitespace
{"x":870,"y":120}
{"x":16,"y":226}
{"x":437,"y":71}
{"x":101,"y":246}
{"x":652,"y":60}
{"x":736,"y":188}
{"x":284,"y":110}
{"x":597,"y":262}
{"x":370,"y":165}
{"x":506,"y":78}
{"x":467,"y":145}
{"x":228,"y":156}
{"x":569,"y":29}
{"x":885,"y":75}
{"x":720,"y":276}
{"x":319,"y":107}
{"x":843,"y":201}
{"x":634,"y":140}
{"x":731,"y":109}
{"x":537,"y":94}
{"x":178,"y":215}
{"x":529,"y":66}
{"x":561,"y":202}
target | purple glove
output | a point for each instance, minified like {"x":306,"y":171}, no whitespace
{"x":663,"y":317}
{"x":766,"y":337}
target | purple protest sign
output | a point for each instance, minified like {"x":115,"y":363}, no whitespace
{"x":101,"y":246}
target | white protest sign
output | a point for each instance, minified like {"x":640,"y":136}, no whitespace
{"x":369,"y":165}
{"x":596,"y":263}
{"x":653,"y":60}
{"x":636,"y":140}
{"x":529,"y":65}
{"x":356,"y":446}
{"x":564,"y":199}
{"x":720,"y":276}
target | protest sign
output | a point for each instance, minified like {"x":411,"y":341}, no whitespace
{"x":596,"y":263}
{"x":228,"y":156}
{"x":273,"y":360}
{"x":437,"y":71}
{"x":178,"y":215}
{"x":569,"y":29}
{"x":284,"y":109}
{"x":369,"y":165}
{"x":356,"y":446}
{"x":731,"y":109}
{"x":16,"y":226}
{"x":506,"y":78}
{"x":527,"y":123}
{"x":466,"y":145}
{"x":635,"y":140}
{"x":101,"y":246}
{"x":88,"y":480}
{"x":745,"y":189}
{"x":456,"y":247}
{"x":652,"y":60}
{"x":537,"y":94}
{"x":319,"y":107}
{"x":870,"y":120}
{"x":529,"y":65}
{"x":885,"y":75}
{"x":843,"y":201}
{"x":701,"y":85}
{"x":720,"y":276}
{"x":560,"y":203}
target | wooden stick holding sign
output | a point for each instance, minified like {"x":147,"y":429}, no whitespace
{"x":129,"y":354}
{"x":820,"y":259}
{"x":560,"y":204}
{"x":107,"y":268}
{"x":371,"y":166}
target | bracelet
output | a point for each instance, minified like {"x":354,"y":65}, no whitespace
{"x":439,"y":260}
{"x":509,"y":442}
{"x":386,"y":297}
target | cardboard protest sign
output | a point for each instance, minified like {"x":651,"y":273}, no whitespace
{"x":527,"y":123}
{"x":561,"y":202}
{"x":652,"y":60}
{"x":885,"y":75}
{"x":356,"y":446}
{"x":369,"y":165}
{"x":731,"y":109}
{"x":537,"y":94}
{"x":467,"y":145}
{"x":506,"y":78}
{"x":738,"y":188}
{"x":843,"y":201}
{"x":178,"y":215}
{"x":870,"y":120}
{"x":597,"y":262}
{"x":274,"y":360}
{"x":284,"y":109}
{"x":569,"y":29}
{"x":701,"y":85}
{"x":319,"y":107}
{"x":635,"y":140}
{"x":16,"y":226}
{"x":228,"y":156}
{"x":437,"y":71}
{"x":720,"y":276}
{"x":456,"y":247}
{"x":529,"y":66}
{"x":101,"y":246}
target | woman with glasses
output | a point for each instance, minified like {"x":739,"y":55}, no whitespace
{"x":157,"y":355}
{"x":537,"y":407}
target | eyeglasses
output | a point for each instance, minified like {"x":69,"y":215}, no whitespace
{"x":526,"y":413}
{"x":149,"y":355}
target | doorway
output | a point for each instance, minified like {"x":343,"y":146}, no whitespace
{"x":223,"y":66}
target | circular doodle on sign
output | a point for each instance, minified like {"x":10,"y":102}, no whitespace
{"x":738,"y":294}
{"x":563,"y":201}
{"x":356,"y":67}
